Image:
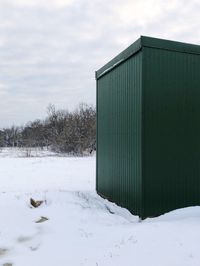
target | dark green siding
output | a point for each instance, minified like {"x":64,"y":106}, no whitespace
{"x":119,"y":134}
{"x":148,"y":127}
{"x":171,"y":136}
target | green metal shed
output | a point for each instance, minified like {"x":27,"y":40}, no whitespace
{"x":148,"y":127}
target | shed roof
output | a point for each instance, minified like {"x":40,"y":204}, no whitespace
{"x":145,"y":41}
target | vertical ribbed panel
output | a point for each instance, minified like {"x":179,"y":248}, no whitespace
{"x":119,"y":110}
{"x":148,"y":127}
{"x":171,"y":136}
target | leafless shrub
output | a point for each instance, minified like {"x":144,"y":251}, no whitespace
{"x":62,"y":131}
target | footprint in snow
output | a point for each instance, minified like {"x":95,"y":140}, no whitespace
{"x":31,"y":243}
{"x":23,"y":239}
{"x":3,"y":251}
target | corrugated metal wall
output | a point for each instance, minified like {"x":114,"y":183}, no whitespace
{"x":148,"y":127}
{"x":119,"y":106}
{"x":171,"y":130}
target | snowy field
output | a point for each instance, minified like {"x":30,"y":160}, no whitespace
{"x":82,"y":229}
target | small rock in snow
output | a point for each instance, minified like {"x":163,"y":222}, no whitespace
{"x":35,"y":203}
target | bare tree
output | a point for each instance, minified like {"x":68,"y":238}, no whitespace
{"x":63,"y":131}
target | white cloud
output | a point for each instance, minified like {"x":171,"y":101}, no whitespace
{"x":43,"y":3}
{"x":49,"y":49}
{"x":139,"y":12}
{"x":3,"y":41}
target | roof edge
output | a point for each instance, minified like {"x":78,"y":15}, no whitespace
{"x":164,"y":44}
{"x":123,"y":56}
{"x":145,"y":41}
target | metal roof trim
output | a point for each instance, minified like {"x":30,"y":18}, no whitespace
{"x":145,"y":41}
{"x":170,"y":45}
{"x":120,"y":58}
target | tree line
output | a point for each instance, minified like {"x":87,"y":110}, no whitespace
{"x":61,"y":131}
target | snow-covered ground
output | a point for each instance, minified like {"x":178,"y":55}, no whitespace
{"x":82,"y":228}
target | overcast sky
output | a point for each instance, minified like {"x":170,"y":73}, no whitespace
{"x":50,"y":49}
